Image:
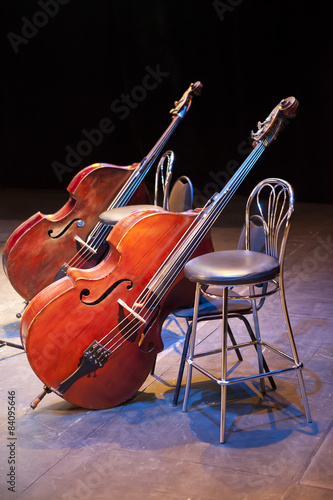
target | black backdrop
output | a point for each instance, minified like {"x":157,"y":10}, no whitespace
{"x":67,"y":65}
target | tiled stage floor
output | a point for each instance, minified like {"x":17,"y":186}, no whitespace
{"x":148,"y":449}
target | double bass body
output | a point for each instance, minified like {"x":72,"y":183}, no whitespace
{"x":86,"y":306}
{"x":45,"y":242}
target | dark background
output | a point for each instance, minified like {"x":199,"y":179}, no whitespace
{"x":248,"y":55}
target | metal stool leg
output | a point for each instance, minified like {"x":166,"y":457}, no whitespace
{"x":252,"y":337}
{"x":258,"y":338}
{"x":192,"y":345}
{"x":295,"y":354}
{"x":224,"y":364}
{"x":184,"y":354}
{"x":182,"y":365}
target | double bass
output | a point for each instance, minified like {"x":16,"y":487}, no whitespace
{"x":42,"y":249}
{"x":93,"y":336}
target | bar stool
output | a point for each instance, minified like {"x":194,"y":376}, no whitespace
{"x":263,"y":273}
{"x":210,"y":309}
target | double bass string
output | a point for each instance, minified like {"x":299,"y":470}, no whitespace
{"x":184,"y":246}
{"x":156,"y":297}
{"x":152,"y":299}
{"x":101,"y":231}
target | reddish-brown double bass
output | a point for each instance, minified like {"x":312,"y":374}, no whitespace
{"x":93,"y":336}
{"x":42,"y":248}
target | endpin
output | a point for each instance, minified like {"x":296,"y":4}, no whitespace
{"x":36,"y":401}
{"x":19,"y":315}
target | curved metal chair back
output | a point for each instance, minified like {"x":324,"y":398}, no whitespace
{"x":164,"y":177}
{"x":181,"y":196}
{"x":270,"y":206}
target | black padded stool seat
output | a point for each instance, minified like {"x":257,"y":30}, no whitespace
{"x":111,"y":217}
{"x":232,"y":267}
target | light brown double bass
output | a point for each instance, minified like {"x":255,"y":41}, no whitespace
{"x":42,"y":249}
{"x":93,"y":336}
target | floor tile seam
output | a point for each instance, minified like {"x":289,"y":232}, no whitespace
{"x":171,"y":350}
{"x":313,"y":487}
{"x":310,"y":382}
{"x":172,"y":460}
{"x":302,"y":342}
{"x":317,"y":487}
{"x":237,"y":470}
{"x":205,"y":336}
{"x":18,"y":353}
{"x":156,"y":379}
{"x":319,"y":444}
{"x":84,"y":443}
{"x":86,"y":415}
{"x":316,"y":350}
{"x":132,"y":452}
{"x":292,"y":314}
{"x":46,"y":471}
{"x":107,"y":420}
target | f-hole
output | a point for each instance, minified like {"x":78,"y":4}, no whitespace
{"x":50,"y":232}
{"x":85,"y":292}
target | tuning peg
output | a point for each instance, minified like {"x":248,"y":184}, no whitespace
{"x":197,"y":88}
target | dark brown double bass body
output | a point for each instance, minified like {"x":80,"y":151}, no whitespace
{"x":44,"y":243}
{"x":69,"y":315}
